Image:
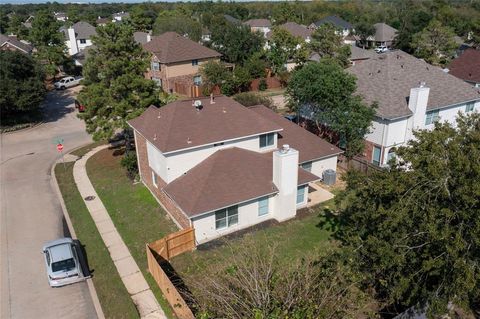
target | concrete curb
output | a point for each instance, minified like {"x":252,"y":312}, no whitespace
{"x":25,"y":129}
{"x":91,"y":287}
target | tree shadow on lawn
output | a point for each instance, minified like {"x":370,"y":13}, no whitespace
{"x":332,"y":222}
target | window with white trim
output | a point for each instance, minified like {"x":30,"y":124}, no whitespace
{"x":469,"y":107}
{"x":300,"y":194}
{"x":307,"y":166}
{"x":154,"y":179}
{"x":226,"y":217}
{"x":267,"y":140}
{"x":83,"y":41}
{"x":263,"y":206}
{"x":155,"y":66}
{"x":197,"y":80}
{"x":432,"y":117}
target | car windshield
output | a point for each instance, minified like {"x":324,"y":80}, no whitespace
{"x":63,"y":265}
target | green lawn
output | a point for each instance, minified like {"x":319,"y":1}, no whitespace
{"x":114,"y":298}
{"x":134,"y":211}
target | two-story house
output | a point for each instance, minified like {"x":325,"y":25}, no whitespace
{"x":344,"y":28}
{"x":220,"y":167}
{"x":79,"y":36}
{"x":176,"y":60}
{"x":259,"y":25}
{"x":411,"y":95}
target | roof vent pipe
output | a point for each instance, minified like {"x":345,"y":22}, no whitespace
{"x":285,"y":148}
{"x":212,"y":99}
{"x":422,"y":84}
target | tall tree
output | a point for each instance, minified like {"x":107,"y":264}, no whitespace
{"x":142,"y":17}
{"x":115,"y":87}
{"x":284,"y":47}
{"x":329,"y":91}
{"x":327,"y":42}
{"x":364,"y":30}
{"x":435,"y":43}
{"x":415,"y":227}
{"x":178,"y":22}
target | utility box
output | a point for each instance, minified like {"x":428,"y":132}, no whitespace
{"x":329,"y":177}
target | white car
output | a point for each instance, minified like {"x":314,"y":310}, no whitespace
{"x":63,"y":261}
{"x":381,"y":49}
{"x":67,"y":82}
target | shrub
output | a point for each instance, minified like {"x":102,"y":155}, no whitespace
{"x":129,"y":162}
{"x":262,"y":85}
{"x":252,"y":98}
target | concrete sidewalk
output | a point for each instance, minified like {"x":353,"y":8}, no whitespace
{"x":146,"y":303}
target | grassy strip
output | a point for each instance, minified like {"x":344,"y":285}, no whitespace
{"x":134,"y":211}
{"x":113,"y":296}
{"x":84,"y":150}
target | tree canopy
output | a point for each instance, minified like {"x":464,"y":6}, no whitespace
{"x":115,"y":87}
{"x":329,"y":91}
{"x":180,"y":23}
{"x":327,"y":42}
{"x":284,"y":47}
{"x":415,"y":227}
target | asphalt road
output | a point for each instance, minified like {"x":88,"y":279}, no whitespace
{"x":31,"y":215}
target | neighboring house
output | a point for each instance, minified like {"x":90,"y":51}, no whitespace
{"x":411,"y":94}
{"x":176,"y":60}
{"x":142,"y":37}
{"x":78,"y":36}
{"x":103,"y":21}
{"x":206,"y":35}
{"x":11,"y":43}
{"x":259,"y":25}
{"x":344,"y":27}
{"x":215,"y":165}
{"x":384,"y":35}
{"x":295,"y":29}
{"x":231,"y":19}
{"x":81,"y":57}
{"x":60,"y":16}
{"x":467,"y":67}
{"x":28,"y":23}
{"x":357,"y":55}
{"x":119,"y":16}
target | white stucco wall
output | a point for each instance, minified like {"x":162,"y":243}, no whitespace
{"x":376,"y":131}
{"x":157,"y":161}
{"x":179,"y":163}
{"x":247,"y":216}
{"x":321,"y":165}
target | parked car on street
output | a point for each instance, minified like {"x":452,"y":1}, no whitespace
{"x":381,"y":49}
{"x":65,"y":262}
{"x":67,"y":82}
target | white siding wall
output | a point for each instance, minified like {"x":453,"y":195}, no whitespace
{"x":396,"y":132}
{"x":377,"y":130}
{"x":82,"y":46}
{"x":247,"y":216}
{"x":327,"y":163}
{"x":157,"y":161}
{"x":180,"y":162}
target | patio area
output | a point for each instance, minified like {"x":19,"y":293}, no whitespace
{"x":317,"y":194}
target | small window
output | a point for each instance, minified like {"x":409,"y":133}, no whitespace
{"x":377,"y":152}
{"x":226,"y":217}
{"x":300,"y":194}
{"x":432,"y":117}
{"x":194,"y":62}
{"x":307,"y":166}
{"x":263,"y":206}
{"x":83,"y":41}
{"x":470,"y":106}
{"x":154,"y":179}
{"x":155,"y":66}
{"x":197,"y":80}
{"x":266,"y":140}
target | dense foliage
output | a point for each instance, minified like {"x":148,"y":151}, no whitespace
{"x":415,"y":228}
{"x":21,"y":88}
{"x":115,"y":87}
{"x":327,"y":42}
{"x":254,"y":98}
{"x":328,"y":90}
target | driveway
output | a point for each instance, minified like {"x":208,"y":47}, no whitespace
{"x":31,"y":215}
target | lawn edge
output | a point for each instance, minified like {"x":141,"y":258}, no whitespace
{"x":91,"y":286}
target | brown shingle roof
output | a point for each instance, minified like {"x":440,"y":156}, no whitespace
{"x":388,"y":78}
{"x":310,"y":146}
{"x":179,"y":125}
{"x":295,"y":29}
{"x":258,"y":23}
{"x":229,"y":176}
{"x":467,"y":66}
{"x":171,"y":47}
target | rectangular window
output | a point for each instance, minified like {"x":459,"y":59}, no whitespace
{"x":226,"y":217}
{"x":470,"y":106}
{"x":377,"y":151}
{"x":301,"y":194}
{"x":432,"y":117}
{"x":155,"y":66}
{"x":266,"y":140}
{"x":154,"y":179}
{"x":194,"y":62}
{"x":307,"y":166}
{"x":263,"y":206}
{"x":83,"y":41}
{"x":197,"y":80}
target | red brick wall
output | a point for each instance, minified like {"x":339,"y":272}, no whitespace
{"x":368,"y":151}
{"x":272,"y":83}
{"x":146,"y":174}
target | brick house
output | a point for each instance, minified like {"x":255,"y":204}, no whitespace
{"x":218,"y":166}
{"x":175,"y":62}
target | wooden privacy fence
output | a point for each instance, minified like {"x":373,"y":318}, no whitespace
{"x":158,"y":254}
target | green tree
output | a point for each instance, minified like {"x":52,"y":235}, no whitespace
{"x":4,"y":21}
{"x":142,"y":17}
{"x":327,"y":42}
{"x":115,"y":87}
{"x":256,"y":66}
{"x":415,"y":227}
{"x":236,"y":43}
{"x":22,"y":88}
{"x":364,"y":30}
{"x":285,"y":47}
{"x":15,"y":26}
{"x":214,"y":73}
{"x":329,"y":91}
{"x":414,"y":18}
{"x":179,"y":23}
{"x":435,"y":43}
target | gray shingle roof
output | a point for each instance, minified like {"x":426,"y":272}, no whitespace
{"x":231,"y":19}
{"x":361,"y":54}
{"x":295,"y":29}
{"x":84,"y":30}
{"x":25,"y":47}
{"x":140,"y":37}
{"x":388,"y":78}
{"x":259,"y":23}
{"x":336,"y":21}
{"x":384,"y":32}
